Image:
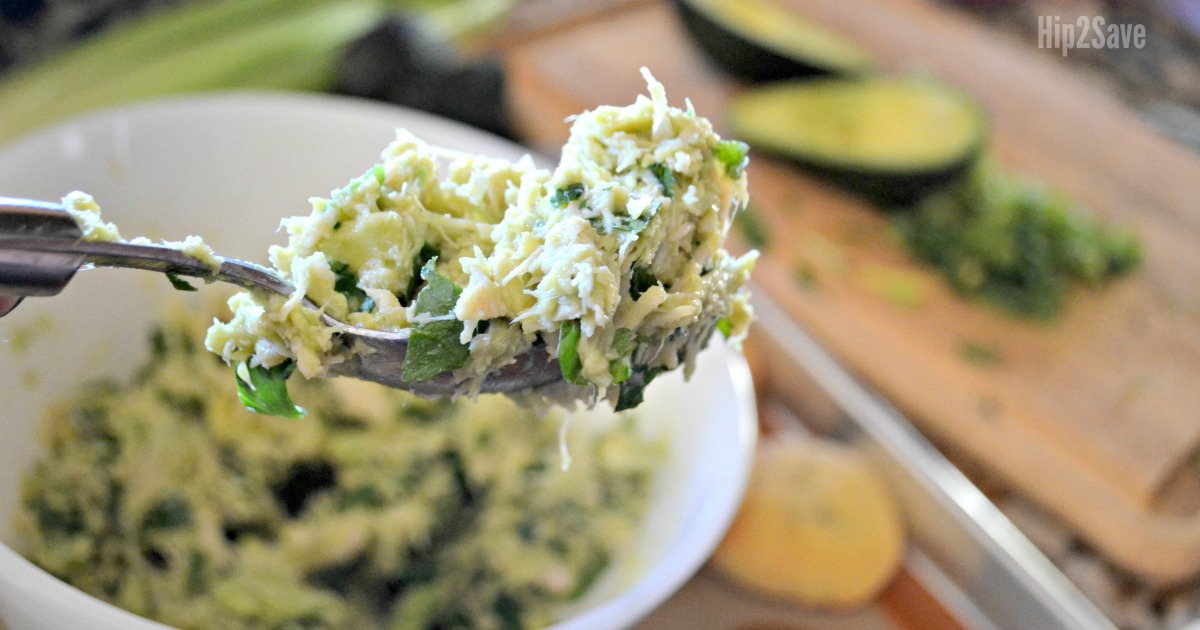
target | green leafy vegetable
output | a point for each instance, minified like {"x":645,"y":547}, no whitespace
{"x":624,"y":343}
{"x":568,"y":352}
{"x":1014,"y":243}
{"x":752,"y":228}
{"x":665,"y":177}
{"x":725,"y":327}
{"x":172,"y":512}
{"x":362,"y":496}
{"x":734,"y":155}
{"x":226,"y":44}
{"x":562,"y":196}
{"x":588,"y":573}
{"x":641,"y":280}
{"x":179,"y":283}
{"x":627,"y":224}
{"x":633,"y":390}
{"x":197,"y":566}
{"x":620,"y":370}
{"x":982,"y":355}
{"x":267,"y":393}
{"x":427,"y":253}
{"x":434,"y":346}
{"x":346,"y":283}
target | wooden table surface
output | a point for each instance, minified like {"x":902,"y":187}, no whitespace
{"x":1101,"y":401}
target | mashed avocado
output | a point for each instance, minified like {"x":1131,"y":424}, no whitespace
{"x":83,"y":208}
{"x":376,"y":510}
{"x":612,"y":262}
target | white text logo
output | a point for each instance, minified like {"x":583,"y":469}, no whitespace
{"x":1088,"y":32}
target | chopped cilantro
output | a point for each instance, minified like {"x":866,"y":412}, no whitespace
{"x":665,"y":177}
{"x":805,"y":276}
{"x":633,"y":390}
{"x":197,"y":565}
{"x":172,"y":512}
{"x":568,"y":352}
{"x":982,"y":355}
{"x":428,"y":252}
{"x":624,"y":343}
{"x":267,"y":393}
{"x":346,"y":283}
{"x":620,"y":370}
{"x":627,"y":224}
{"x":725,"y":326}
{"x":637,"y":225}
{"x":1014,"y":243}
{"x":588,"y":573}
{"x":362,"y":496}
{"x":434,"y":347}
{"x":642,"y":280}
{"x":734,"y":155}
{"x":563,"y":196}
{"x":179,"y":283}
{"x":752,"y":228}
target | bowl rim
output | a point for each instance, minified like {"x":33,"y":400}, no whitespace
{"x":633,"y":601}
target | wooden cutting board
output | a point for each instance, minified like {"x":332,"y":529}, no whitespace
{"x":1097,"y":416}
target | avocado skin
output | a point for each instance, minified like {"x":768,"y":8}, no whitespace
{"x":741,"y":56}
{"x":890,"y":190}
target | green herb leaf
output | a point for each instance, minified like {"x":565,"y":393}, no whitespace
{"x":635,"y":226}
{"x":752,"y":228}
{"x":267,"y":393}
{"x":982,"y":355}
{"x":620,"y":369}
{"x":197,"y":565}
{"x":562,"y":196}
{"x":434,"y":347}
{"x":665,"y":177}
{"x":588,"y":573}
{"x":179,"y":283}
{"x":428,"y":252}
{"x":568,"y":352}
{"x":641,"y":281}
{"x":734,"y":155}
{"x":172,"y":512}
{"x":624,"y":342}
{"x":633,"y":390}
{"x":627,"y":224}
{"x":346,"y":283}
{"x":1013,"y":242}
{"x":725,"y":326}
{"x":362,"y":496}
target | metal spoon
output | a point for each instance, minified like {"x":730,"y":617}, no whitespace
{"x":41,"y":249}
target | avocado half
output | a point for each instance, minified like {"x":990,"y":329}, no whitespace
{"x":760,"y":41}
{"x":892,"y":140}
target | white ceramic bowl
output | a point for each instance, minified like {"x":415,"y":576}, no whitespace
{"x":228,"y":167}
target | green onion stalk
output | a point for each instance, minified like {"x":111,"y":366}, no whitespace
{"x":210,"y":46}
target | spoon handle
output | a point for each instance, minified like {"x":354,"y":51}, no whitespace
{"x":41,"y":249}
{"x":37,"y":271}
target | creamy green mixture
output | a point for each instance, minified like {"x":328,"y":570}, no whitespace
{"x":376,"y":510}
{"x":612,"y":262}
{"x":86,"y":212}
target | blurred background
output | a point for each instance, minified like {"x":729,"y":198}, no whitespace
{"x":985,"y":209}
